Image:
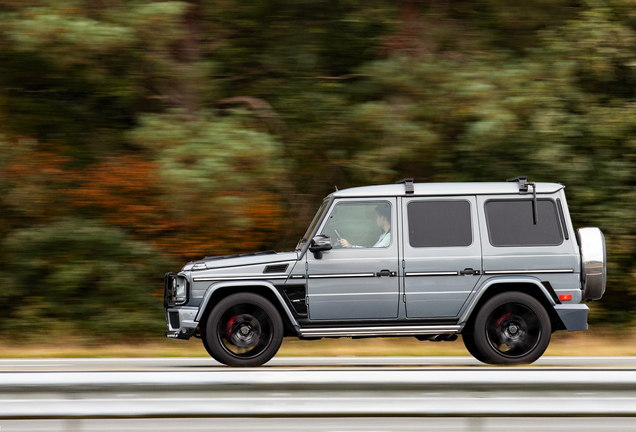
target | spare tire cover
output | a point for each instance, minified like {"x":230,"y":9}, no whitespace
{"x":593,"y":262}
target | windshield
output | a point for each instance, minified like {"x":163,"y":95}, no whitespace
{"x":313,"y":224}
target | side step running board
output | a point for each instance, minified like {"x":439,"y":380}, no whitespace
{"x":379,"y":331}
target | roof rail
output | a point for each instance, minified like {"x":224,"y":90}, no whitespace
{"x":408,"y":185}
{"x":523,"y":190}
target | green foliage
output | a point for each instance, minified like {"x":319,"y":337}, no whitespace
{"x":81,"y":276}
{"x":226,"y":171}
{"x":164,"y":130}
{"x":79,"y":76}
{"x":204,"y":155}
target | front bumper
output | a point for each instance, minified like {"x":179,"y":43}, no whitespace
{"x":180,"y":334}
{"x":180,"y":322}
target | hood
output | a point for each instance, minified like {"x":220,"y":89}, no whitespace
{"x":245,"y":259}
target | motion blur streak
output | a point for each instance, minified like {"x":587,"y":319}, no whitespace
{"x":135,"y":136}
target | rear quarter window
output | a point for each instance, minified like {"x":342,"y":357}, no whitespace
{"x":511,"y":223}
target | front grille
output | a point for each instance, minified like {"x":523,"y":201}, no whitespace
{"x":174,"y":319}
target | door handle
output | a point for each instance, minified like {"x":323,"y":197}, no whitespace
{"x":385,"y":273}
{"x":468,"y":271}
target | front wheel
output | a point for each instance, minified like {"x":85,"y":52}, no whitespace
{"x":243,"y":329}
{"x":469,"y":342}
{"x":512,"y":328}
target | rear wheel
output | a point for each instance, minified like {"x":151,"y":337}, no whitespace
{"x":243,"y":329}
{"x":512,"y":328}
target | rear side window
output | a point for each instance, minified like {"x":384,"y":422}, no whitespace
{"x":439,"y":223}
{"x":511,"y":223}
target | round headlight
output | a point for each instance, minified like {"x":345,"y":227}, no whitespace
{"x":181,"y":292}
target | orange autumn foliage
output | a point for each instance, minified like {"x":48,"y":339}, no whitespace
{"x":31,"y":175}
{"x":127,"y":192}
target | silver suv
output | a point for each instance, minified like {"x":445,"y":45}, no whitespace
{"x":498,"y":263}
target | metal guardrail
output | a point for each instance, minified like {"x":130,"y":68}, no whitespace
{"x":317,"y":379}
{"x":318,"y":407}
{"x":346,"y":393}
{"x":206,"y":363}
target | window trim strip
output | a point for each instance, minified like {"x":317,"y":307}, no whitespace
{"x":529,"y":271}
{"x":441,"y":273}
{"x":341,"y":275}
{"x":562,"y":217}
{"x":231,"y":278}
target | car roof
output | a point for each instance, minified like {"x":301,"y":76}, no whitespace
{"x":438,"y":189}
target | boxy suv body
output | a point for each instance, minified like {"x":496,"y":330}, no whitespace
{"x":498,"y":263}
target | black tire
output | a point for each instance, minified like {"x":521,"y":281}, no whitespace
{"x":469,"y":342}
{"x":205,"y":343}
{"x":512,"y":328}
{"x":243,"y":329}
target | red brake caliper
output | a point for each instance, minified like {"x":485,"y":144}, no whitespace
{"x":229,"y":326}
{"x":503,"y":317}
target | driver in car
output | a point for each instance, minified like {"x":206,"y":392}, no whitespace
{"x":383,"y":220}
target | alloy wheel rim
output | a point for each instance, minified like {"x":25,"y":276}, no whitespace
{"x":245,"y":331}
{"x":513,"y":330}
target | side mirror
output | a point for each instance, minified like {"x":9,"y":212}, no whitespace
{"x":319,"y":244}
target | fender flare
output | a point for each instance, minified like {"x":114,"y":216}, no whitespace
{"x":214,"y":287}
{"x":489,"y":283}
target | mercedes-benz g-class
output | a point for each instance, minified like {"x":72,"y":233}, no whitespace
{"x":498,"y":263}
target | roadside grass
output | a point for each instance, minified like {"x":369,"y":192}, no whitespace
{"x":598,"y":342}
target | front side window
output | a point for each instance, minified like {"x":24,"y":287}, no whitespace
{"x":360,"y":225}
{"x":439,"y":224}
{"x":511,"y":223}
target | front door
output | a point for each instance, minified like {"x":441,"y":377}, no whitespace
{"x":357,"y":279}
{"x":442,"y":254}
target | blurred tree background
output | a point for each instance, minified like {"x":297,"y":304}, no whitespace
{"x":137,"y":135}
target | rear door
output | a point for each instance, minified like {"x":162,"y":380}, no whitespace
{"x":442,"y":254}
{"x":516,"y":243}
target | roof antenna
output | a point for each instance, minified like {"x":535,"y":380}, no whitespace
{"x":336,"y":188}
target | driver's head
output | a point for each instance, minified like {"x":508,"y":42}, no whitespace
{"x":383,"y":214}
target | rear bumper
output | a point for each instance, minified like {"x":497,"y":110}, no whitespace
{"x":180,"y":322}
{"x":573,"y":316}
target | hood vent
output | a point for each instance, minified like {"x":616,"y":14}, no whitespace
{"x":279,"y":268}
